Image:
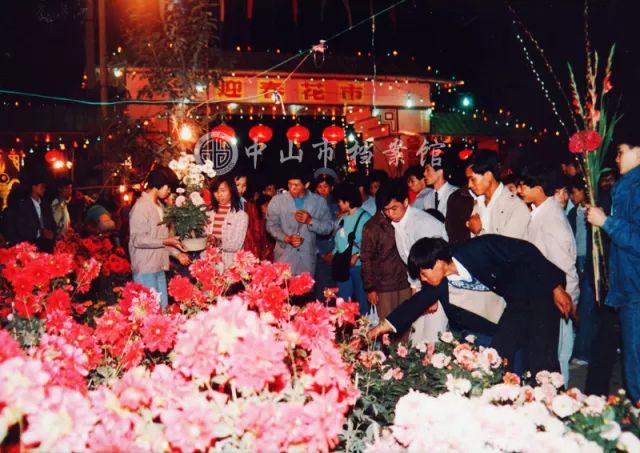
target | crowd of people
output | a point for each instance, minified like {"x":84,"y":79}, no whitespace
{"x":506,"y":258}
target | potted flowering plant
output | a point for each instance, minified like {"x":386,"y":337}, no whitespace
{"x":188,"y":214}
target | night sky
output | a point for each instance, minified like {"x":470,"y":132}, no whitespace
{"x":41,"y":43}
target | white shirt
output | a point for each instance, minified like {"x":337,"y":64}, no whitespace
{"x":462,"y":275}
{"x":443,"y":197}
{"x":36,"y":204}
{"x":550,"y":232}
{"x":414,"y":225}
{"x":484,"y":210}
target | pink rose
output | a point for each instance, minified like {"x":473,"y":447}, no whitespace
{"x":564,"y":406}
{"x":402,"y":351}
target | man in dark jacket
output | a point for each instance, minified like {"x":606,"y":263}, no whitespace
{"x":384,"y":275}
{"x":32,"y":221}
{"x":623,"y":228}
{"x":513,"y":269}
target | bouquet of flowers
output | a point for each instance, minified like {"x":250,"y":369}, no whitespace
{"x":189,"y":212}
{"x":592,"y":143}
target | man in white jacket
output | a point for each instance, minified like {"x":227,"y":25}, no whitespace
{"x":550,"y":232}
{"x":410,"y":225}
{"x":497,"y":211}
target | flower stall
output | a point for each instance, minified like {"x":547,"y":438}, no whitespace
{"x":233,"y":365}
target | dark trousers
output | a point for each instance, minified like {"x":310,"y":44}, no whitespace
{"x":535,"y":331}
{"x":603,"y":352}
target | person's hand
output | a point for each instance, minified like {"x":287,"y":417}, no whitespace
{"x":174,"y":242}
{"x":47,"y":234}
{"x":184,"y":259}
{"x":474,"y":224}
{"x":327,"y":258}
{"x":380,"y":329}
{"x":354,"y":259}
{"x":596,"y":216}
{"x":372,"y":297}
{"x":562,"y":301}
{"x":432,"y":309}
{"x":294,"y":240}
{"x":302,"y":216}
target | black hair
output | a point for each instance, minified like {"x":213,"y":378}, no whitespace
{"x":348,"y":193}
{"x":576,"y":183}
{"x":297,"y":171}
{"x":380,"y":176}
{"x":632,"y":140}
{"x":236,"y":203}
{"x":414,"y":170}
{"x":540,"y":175}
{"x":395,"y":189}
{"x":424,"y":254}
{"x":484,"y":160}
{"x":262,"y":200}
{"x":510,"y":179}
{"x":162,"y":176}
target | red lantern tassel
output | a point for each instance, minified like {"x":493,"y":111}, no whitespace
{"x":249,"y":9}
{"x":294,"y":4}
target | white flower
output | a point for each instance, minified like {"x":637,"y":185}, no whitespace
{"x":446,"y":337}
{"x":564,"y":406}
{"x":470,"y":338}
{"x":196,"y":199}
{"x":440,"y":360}
{"x":557,"y":380}
{"x":459,"y":386}
{"x":422,"y":347}
{"x":628,"y":442}
{"x":611,"y":431}
{"x":180,"y":201}
{"x":180,"y":190}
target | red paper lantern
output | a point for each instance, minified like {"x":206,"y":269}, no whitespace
{"x":224,"y":129}
{"x":333,"y":134}
{"x":298,"y":134}
{"x":465,"y":154}
{"x":584,"y":141}
{"x":53,"y":155}
{"x":260,"y":133}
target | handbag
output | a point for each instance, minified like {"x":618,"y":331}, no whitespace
{"x":341,"y":262}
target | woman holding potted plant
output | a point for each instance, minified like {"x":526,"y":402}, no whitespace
{"x":150,"y":244}
{"x":228,"y":223}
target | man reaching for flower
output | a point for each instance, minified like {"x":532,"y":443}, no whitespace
{"x":513,"y":269}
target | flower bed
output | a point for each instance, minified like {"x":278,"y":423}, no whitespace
{"x":455,"y":396}
{"x":233,"y":365}
{"x":247,"y":372}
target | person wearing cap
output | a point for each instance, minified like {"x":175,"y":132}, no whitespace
{"x":294,"y":219}
{"x":324,"y":181}
{"x":98,"y":220}
{"x":149,"y":243}
{"x":436,"y":177}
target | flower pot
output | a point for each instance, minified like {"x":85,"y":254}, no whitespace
{"x":195,"y":244}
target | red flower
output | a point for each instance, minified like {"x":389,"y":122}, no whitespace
{"x":132,"y":354}
{"x":300,"y":284}
{"x":181,"y":289}
{"x":158,"y":333}
{"x":10,"y":347}
{"x":584,"y":141}
{"x":58,"y":300}
{"x":606,"y":84}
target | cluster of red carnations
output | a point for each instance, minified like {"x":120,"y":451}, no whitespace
{"x":243,"y":372}
{"x":113,"y":259}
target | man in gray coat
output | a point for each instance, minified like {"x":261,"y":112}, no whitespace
{"x":294,"y":219}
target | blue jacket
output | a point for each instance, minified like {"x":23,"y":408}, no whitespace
{"x":623,"y":227}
